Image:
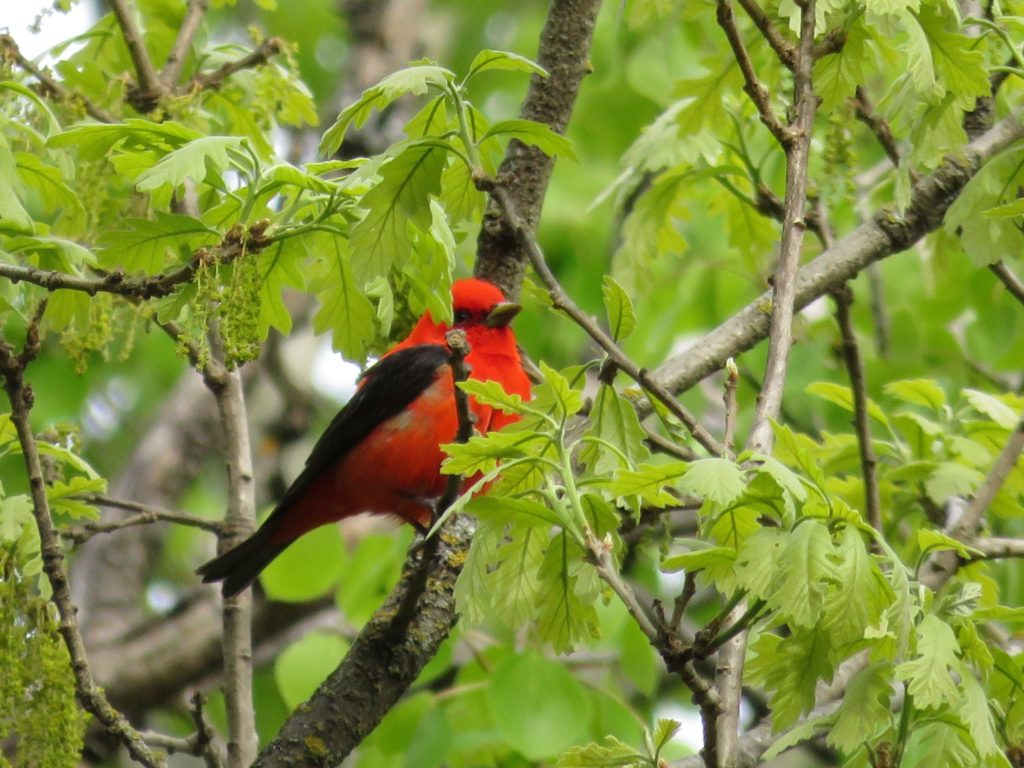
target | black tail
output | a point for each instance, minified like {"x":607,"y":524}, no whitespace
{"x":239,"y":567}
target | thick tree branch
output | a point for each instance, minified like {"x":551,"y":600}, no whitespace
{"x":885,"y":234}
{"x":92,"y":698}
{"x":147,"y":93}
{"x":565,"y":53}
{"x":997,"y":548}
{"x":782,"y":47}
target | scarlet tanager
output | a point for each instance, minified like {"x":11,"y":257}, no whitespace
{"x":381,"y":452}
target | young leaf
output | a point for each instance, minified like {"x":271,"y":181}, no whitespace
{"x":344,"y":310}
{"x":929,"y":672}
{"x":402,"y":196}
{"x":612,"y":754}
{"x":716,"y":480}
{"x":843,"y":397}
{"x":864,"y":712}
{"x":621,"y":315}
{"x":802,"y":572}
{"x":952,"y":479}
{"x":649,"y":481}
{"x":566,"y":596}
{"x":993,"y":407}
{"x":918,"y":392}
{"x":504,"y":60}
{"x":492,"y":394}
{"x":195,"y":160}
{"x":790,"y":668}
{"x":417,"y":80}
{"x":929,"y":540}
{"x":514,"y":579}
{"x":862,"y":594}
{"x":521,"y":512}
{"x":534,"y":134}
{"x":613,"y":421}
{"x":148,"y":246}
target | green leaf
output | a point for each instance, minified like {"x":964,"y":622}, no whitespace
{"x":862,"y":593}
{"x":717,"y":480}
{"x":929,"y":672}
{"x":611,"y":754}
{"x":399,"y":199}
{"x":15,"y":516}
{"x":789,"y":669}
{"x":149,"y":246}
{"x":304,"y":664}
{"x":503,"y":60}
{"x":618,"y":305}
{"x":566,"y":596}
{"x":556,"y":391}
{"x":837,"y":75}
{"x":793,"y":449}
{"x":417,"y":80}
{"x":52,"y":124}
{"x":929,"y":540}
{"x":758,"y":560}
{"x":13,"y":216}
{"x":514,"y":581}
{"x":976,"y":714}
{"x":922,"y":392}
{"x":802,"y":572}
{"x":311,"y":567}
{"x":492,"y":394}
{"x":537,"y":705}
{"x":280,"y":267}
{"x":864,"y":712}
{"x":61,"y":495}
{"x":784,"y":477}
{"x":993,"y":407}
{"x":49,"y":183}
{"x":952,"y":479}
{"x":195,"y":160}
{"x":473,"y":596}
{"x":613,"y":421}
{"x":711,"y":557}
{"x":649,"y":481}
{"x":482,"y":453}
{"x":843,"y":397}
{"x":344,"y":310}
{"x":522,"y":512}
{"x":286,"y":175}
{"x":534,"y":134}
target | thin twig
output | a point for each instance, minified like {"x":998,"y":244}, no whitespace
{"x":855,"y":370}
{"x":149,"y":90}
{"x":458,"y":349}
{"x":782,"y":47}
{"x":215,"y":79}
{"x":561,"y":300}
{"x":657,"y":442}
{"x":114,"y":282}
{"x":755,"y":90}
{"x":732,"y":377}
{"x":204,"y":737}
{"x":147,"y":514}
{"x":186,"y":34}
{"x":864,"y":111}
{"x":50,"y":85}
{"x":879,"y":314}
{"x":92,"y":698}
{"x":1007,"y":277}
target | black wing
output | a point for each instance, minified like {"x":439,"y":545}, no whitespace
{"x":388,"y":387}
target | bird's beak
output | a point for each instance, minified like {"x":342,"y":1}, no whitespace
{"x":502,"y":314}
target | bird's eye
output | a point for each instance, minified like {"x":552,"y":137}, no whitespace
{"x":461,"y":316}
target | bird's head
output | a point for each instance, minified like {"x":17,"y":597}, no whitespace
{"x":479,"y":308}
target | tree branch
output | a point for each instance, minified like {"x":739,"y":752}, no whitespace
{"x":147,"y":93}
{"x":215,"y":79}
{"x":864,"y":112}
{"x":885,"y":234}
{"x":186,"y":34}
{"x":239,"y":523}
{"x":92,"y":698}
{"x":1007,"y":277}
{"x":782,"y":47}
{"x":855,"y":369}
{"x":996,"y":548}
{"x":146,"y":514}
{"x":565,"y":53}
{"x":755,"y":90}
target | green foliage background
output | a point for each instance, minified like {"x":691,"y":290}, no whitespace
{"x":656,"y":189}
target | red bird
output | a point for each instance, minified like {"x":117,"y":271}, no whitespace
{"x":381,"y":452}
